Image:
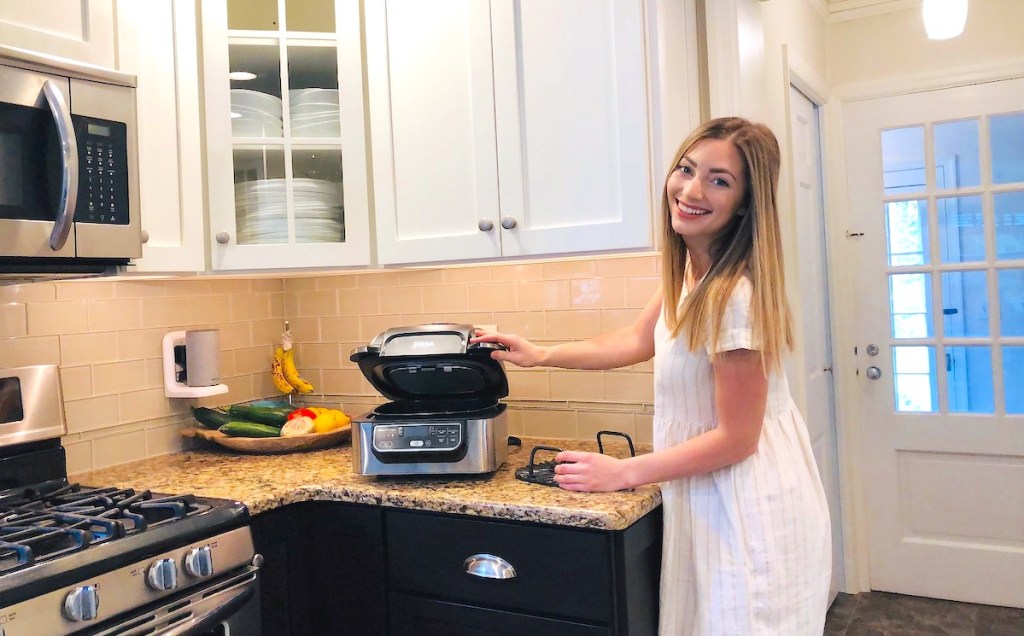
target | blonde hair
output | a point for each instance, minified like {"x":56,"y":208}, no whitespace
{"x":750,"y":247}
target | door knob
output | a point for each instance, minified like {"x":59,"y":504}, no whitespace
{"x":485,"y":225}
{"x":222,"y":237}
{"x":873,"y":373}
{"x":508,"y":222}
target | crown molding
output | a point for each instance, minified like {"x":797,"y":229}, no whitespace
{"x":843,"y":10}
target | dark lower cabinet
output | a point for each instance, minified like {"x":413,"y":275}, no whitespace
{"x":323,"y":571}
{"x":335,"y":568}
{"x":558,"y":580}
{"x":425,"y":617}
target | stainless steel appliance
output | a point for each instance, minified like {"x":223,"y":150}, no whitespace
{"x":69,"y":200}
{"x":444,"y":417}
{"x":76,"y":559}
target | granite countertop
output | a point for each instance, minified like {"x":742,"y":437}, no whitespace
{"x":265,"y":482}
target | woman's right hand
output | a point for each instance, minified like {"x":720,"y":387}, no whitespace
{"x":521,"y":352}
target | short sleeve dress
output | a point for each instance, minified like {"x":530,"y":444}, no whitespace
{"x":747,"y":548}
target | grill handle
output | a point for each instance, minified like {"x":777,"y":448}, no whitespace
{"x":489,"y":566}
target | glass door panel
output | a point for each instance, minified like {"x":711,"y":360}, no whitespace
{"x":313,"y":104}
{"x":1009,"y":207}
{"x":956,"y":152}
{"x":907,"y":229}
{"x":318,"y":195}
{"x":1007,"y":135}
{"x":309,"y":15}
{"x":261,"y":195}
{"x":961,"y":229}
{"x":252,"y":15}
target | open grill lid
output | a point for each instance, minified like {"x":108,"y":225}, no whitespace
{"x":432,"y":362}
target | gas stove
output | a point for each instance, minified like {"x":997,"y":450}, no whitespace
{"x":82,"y":559}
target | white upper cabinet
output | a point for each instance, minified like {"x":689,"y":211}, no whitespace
{"x":509,"y":127}
{"x":285,"y":134}
{"x":157,"y":43}
{"x":81,"y":30}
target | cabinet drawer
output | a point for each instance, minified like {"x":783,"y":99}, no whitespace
{"x":412,"y":616}
{"x":558,"y":571}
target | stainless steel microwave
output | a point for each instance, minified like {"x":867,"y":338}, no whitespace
{"x":69,"y":200}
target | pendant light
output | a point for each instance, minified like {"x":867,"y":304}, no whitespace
{"x":944,"y":19}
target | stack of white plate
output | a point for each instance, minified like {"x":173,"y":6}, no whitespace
{"x":314,"y":112}
{"x":255,"y":114}
{"x":261,"y":211}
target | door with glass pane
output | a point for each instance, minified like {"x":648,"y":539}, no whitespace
{"x":285,"y":133}
{"x":936,"y":186}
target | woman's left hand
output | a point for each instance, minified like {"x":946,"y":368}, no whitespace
{"x":590,"y":472}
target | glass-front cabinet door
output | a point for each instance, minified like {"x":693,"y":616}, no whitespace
{"x":285,"y":134}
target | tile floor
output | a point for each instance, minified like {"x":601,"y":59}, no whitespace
{"x":884,"y":614}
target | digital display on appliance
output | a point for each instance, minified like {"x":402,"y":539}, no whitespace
{"x":11,"y":408}
{"x":98,"y":130}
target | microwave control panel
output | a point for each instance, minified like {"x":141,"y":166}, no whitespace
{"x":103,"y":171}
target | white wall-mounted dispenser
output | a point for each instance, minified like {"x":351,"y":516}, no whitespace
{"x":192,"y":364}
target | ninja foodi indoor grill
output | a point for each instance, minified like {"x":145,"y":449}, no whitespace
{"x":444,"y":417}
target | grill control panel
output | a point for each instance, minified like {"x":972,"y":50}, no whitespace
{"x":437,"y":436}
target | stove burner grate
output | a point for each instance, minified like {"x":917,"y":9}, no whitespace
{"x":44,"y":523}
{"x":543,"y":473}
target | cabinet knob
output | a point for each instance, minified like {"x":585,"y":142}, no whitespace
{"x":485,"y":225}
{"x":223,"y":238}
{"x":508,"y":222}
{"x":144,"y":236}
{"x":488,"y":566}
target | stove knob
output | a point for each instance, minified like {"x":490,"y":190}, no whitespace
{"x":82,"y":603}
{"x":199,"y":561}
{"x":163,"y":575}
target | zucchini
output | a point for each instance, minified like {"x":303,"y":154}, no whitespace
{"x":249,"y":429}
{"x":211,"y":418}
{"x":269,"y":415}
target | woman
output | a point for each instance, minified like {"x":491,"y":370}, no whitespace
{"x":746,"y":537}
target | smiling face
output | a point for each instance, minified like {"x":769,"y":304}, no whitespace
{"x":705,"y":192}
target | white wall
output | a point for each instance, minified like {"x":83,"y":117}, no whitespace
{"x":894,"y":45}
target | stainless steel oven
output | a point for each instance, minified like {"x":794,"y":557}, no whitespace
{"x":94,"y":560}
{"x":68,"y":166}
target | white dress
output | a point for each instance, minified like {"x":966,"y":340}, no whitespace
{"x":747,"y":548}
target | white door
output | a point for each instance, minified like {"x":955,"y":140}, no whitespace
{"x":936,"y":186}
{"x":570,"y":86}
{"x":81,"y":30}
{"x":815,"y":335}
{"x":431,"y":97}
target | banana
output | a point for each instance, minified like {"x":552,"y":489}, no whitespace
{"x":277,"y":372}
{"x":291,"y":374}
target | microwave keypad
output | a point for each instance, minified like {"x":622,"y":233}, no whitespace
{"x":103,"y":181}
{"x":442,"y":436}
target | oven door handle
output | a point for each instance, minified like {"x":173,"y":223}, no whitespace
{"x":228,"y":602}
{"x":69,"y":164}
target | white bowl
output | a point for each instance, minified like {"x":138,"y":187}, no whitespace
{"x":257,"y":100}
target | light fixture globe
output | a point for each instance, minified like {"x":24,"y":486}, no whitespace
{"x":944,"y":19}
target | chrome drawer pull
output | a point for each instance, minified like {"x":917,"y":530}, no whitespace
{"x":488,"y":566}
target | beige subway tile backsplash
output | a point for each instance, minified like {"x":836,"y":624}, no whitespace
{"x":13,"y":320}
{"x":91,"y":413}
{"x":106,"y":336}
{"x":51,"y":318}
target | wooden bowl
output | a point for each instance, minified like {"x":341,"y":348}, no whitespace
{"x":272,"y":445}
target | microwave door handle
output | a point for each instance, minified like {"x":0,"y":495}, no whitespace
{"x":69,"y":163}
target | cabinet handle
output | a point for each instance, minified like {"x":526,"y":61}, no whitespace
{"x":485,"y":225}
{"x":488,"y":566}
{"x":508,"y":222}
{"x":223,"y":238}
